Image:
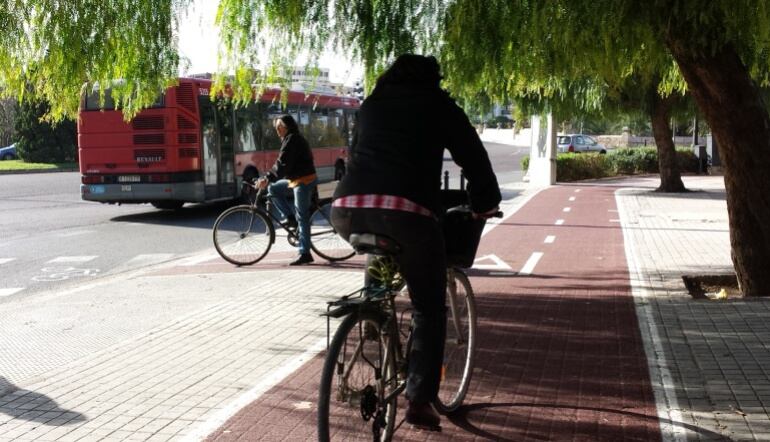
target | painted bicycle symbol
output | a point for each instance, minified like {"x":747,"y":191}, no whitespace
{"x":51,"y":274}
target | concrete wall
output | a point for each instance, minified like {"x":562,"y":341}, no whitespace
{"x":632,"y":141}
{"x":506,"y":136}
{"x":524,"y":138}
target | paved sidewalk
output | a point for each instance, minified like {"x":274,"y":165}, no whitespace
{"x":641,"y":360}
{"x":710,"y":360}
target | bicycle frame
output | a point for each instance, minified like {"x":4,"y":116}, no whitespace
{"x":293,"y":233}
{"x":453,"y":307}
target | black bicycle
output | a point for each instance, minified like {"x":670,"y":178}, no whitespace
{"x":367,"y":360}
{"x":244,"y":234}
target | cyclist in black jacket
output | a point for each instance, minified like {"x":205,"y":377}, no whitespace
{"x":392,"y":188}
{"x":293,"y":171}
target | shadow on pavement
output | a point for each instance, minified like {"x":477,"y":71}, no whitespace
{"x":35,"y":407}
{"x":198,"y":215}
{"x":463,"y":418}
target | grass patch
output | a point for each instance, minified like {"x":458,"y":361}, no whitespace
{"x":21,"y":166}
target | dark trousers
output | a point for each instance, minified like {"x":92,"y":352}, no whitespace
{"x":422,"y":263}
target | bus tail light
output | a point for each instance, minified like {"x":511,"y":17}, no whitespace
{"x":92,"y":179}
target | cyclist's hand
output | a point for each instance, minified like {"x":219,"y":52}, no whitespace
{"x":488,"y":214}
{"x":261,"y":183}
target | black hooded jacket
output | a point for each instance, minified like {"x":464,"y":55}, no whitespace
{"x":401,"y":135}
{"x":295,"y":159}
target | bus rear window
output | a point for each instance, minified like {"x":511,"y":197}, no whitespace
{"x":92,"y":101}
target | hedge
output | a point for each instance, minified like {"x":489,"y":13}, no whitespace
{"x":624,"y":161}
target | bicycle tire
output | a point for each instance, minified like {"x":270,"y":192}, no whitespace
{"x":341,"y":416}
{"x":459,"y":349}
{"x":324,"y":239}
{"x":243,"y":235}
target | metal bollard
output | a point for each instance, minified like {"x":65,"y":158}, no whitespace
{"x":446,"y":179}
{"x":462,"y":180}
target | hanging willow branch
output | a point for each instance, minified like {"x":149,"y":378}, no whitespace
{"x":566,"y":54}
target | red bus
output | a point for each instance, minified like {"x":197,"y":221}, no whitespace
{"x":188,"y":148}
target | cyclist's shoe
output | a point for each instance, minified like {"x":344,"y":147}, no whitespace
{"x":305,"y":258}
{"x":290,"y":223}
{"x":423,"y":417}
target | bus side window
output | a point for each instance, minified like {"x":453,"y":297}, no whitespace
{"x":301,"y":115}
{"x":318,"y":124}
{"x":248,"y":128}
{"x":225,"y":117}
{"x":341,"y":127}
{"x":270,"y":139}
{"x":351,"y":125}
{"x":334,"y":135}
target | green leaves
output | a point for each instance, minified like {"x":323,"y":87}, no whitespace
{"x":54,"y":47}
{"x":567,"y":55}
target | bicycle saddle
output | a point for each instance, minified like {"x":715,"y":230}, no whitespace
{"x":374,"y":244}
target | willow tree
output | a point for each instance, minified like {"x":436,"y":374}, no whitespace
{"x":637,"y":94}
{"x":715,"y":50}
{"x":50,"y":48}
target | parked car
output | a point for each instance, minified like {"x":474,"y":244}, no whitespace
{"x":578,"y":143}
{"x":8,"y":152}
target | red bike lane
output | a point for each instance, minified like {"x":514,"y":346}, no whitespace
{"x":559,"y":353}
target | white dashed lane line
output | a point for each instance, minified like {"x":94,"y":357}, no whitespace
{"x":529,"y":266}
{"x":572,"y":198}
{"x":559,"y":222}
{"x":549,"y":239}
{"x":63,"y":259}
{"x":6,"y":260}
{"x":10,"y":291}
{"x":149,"y":258}
{"x":197,"y":259}
{"x":567,"y":209}
{"x":577,"y":190}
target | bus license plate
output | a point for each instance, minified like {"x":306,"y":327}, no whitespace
{"x":129,"y":179}
{"x":125,"y":188}
{"x":96,"y":189}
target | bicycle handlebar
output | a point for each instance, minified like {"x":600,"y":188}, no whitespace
{"x":498,"y":214}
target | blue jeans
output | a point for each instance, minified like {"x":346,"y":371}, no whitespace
{"x":303,"y":193}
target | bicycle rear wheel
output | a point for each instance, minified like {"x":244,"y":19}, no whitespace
{"x":324,"y":239}
{"x":460,"y":343}
{"x":243,"y":235}
{"x":359,"y":372}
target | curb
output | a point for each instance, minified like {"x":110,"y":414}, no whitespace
{"x":21,"y":172}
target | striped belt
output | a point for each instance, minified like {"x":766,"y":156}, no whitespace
{"x":381,"y":202}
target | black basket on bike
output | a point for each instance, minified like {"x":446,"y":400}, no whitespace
{"x":462,"y":233}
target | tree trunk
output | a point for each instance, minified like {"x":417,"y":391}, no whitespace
{"x":660,"y":112}
{"x":733,"y":107}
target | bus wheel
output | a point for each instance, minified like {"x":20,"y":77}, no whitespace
{"x":168,"y":205}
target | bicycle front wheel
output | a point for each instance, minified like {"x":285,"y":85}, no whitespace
{"x":324,"y":239}
{"x":460,"y":343}
{"x":358,"y":374}
{"x":243,"y":235}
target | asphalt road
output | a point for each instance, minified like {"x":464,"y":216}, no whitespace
{"x":51,"y":239}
